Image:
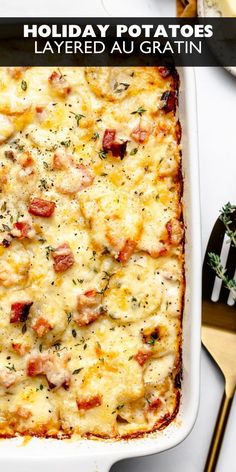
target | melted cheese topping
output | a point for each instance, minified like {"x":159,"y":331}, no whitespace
{"x":91,"y":288}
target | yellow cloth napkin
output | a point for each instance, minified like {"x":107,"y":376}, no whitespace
{"x":186,"y":8}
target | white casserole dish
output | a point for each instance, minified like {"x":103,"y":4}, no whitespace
{"x":98,"y":456}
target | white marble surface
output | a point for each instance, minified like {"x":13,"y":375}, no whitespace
{"x":217,"y":138}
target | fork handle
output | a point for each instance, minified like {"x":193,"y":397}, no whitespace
{"x":218,"y":434}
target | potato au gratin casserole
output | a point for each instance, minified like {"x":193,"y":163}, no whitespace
{"x":91,"y":251}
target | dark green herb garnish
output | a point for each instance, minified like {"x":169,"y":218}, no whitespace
{"x":24,"y":85}
{"x":134,"y":151}
{"x":95,"y":136}
{"x":4,"y":207}
{"x":49,"y":249}
{"x":78,"y":117}
{"x":102,"y":154}
{"x":119,"y":407}
{"x":43,"y":184}
{"x":69,"y":317}
{"x":139,"y":111}
{"x":24,"y":329}
{"x":66,"y":143}
{"x":57,"y":346}
{"x":6,"y":227}
{"x":120,"y":87}
{"x":12,"y":368}
{"x":77,"y":371}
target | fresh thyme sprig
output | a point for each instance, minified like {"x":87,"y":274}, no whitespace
{"x":214,"y":259}
{"x":226,"y":218}
{"x":216,"y":265}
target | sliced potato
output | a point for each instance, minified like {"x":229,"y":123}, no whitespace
{"x":133,"y":293}
{"x":158,"y":369}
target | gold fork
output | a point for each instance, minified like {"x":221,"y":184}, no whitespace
{"x":219,"y":335}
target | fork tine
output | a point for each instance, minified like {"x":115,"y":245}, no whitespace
{"x":214,"y":245}
{"x":230,"y":266}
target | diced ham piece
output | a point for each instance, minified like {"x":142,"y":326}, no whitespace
{"x":168,"y":101}
{"x":108,"y":138}
{"x":87,"y":404}
{"x":20,"y":311}
{"x":175,"y":232}
{"x":127,"y":251}
{"x":142,"y":357}
{"x":58,"y":378}
{"x":140,"y":135}
{"x":77,"y":178}
{"x":61,"y":160}
{"x":159,"y":252}
{"x":41,"y":327}
{"x":40,"y":207}
{"x":88,"y":308}
{"x":164,"y":71}
{"x":172,"y":236}
{"x":162,"y":252}
{"x":59,"y":84}
{"x":35,"y":366}
{"x":155,"y":404}
{"x":21,"y":230}
{"x":39,"y":109}
{"x":53,"y":367}
{"x":23,"y":412}
{"x":25,"y":159}
{"x":16,"y":72}
{"x":87,"y":178}
{"x":7,"y":377}
{"x":41,"y":113}
{"x":110,"y":144}
{"x":63,"y":258}
{"x":87,"y":317}
{"x":20,"y":348}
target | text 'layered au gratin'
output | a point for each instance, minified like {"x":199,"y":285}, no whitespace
{"x":91,"y":251}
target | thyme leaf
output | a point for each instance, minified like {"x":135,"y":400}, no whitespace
{"x":226,"y":217}
{"x":102,"y":154}
{"x":77,"y":371}
{"x":78,"y":117}
{"x":24,"y":85}
{"x":95,"y":136}
{"x":139,"y":111}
